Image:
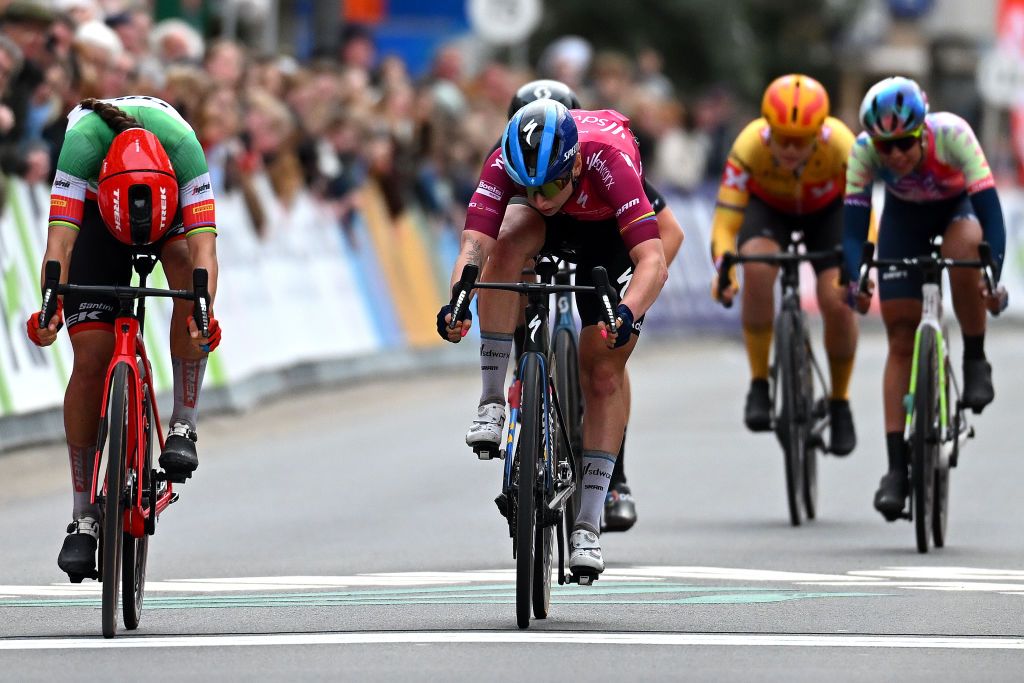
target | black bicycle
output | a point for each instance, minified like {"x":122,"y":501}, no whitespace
{"x":936,"y":427}
{"x":799,"y":388}
{"x":541,"y":472}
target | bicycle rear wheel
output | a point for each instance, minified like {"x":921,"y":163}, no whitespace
{"x":136,"y":550}
{"x":940,"y":504}
{"x":566,"y":374}
{"x":529,"y":450}
{"x":788,"y":366}
{"x":113,"y":505}
{"x":924,"y":437}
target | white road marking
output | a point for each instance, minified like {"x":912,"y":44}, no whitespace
{"x":530,"y":637}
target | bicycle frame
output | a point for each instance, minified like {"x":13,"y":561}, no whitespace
{"x":931,"y":316}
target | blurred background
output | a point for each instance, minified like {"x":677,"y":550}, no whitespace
{"x":345,"y":138}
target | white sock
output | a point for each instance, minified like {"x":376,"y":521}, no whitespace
{"x":188,"y":380}
{"x":495,"y":350}
{"x":597,"y":473}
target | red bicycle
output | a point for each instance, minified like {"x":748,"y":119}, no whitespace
{"x":133,"y":493}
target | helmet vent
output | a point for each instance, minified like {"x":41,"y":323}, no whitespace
{"x":140,"y":212}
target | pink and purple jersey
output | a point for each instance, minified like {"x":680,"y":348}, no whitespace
{"x":953,"y":163}
{"x":610,"y":186}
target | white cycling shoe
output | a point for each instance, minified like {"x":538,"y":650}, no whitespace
{"x":484,"y":436}
{"x":585,"y":553}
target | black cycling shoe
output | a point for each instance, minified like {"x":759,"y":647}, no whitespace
{"x":842,"y":437}
{"x":892,"y":494}
{"x":758,"y":412}
{"x":619,"y":509}
{"x":77,"y":556}
{"x":978,"y":391}
{"x":179,"y":459}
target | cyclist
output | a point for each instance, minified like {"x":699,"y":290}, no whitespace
{"x":583,"y":169}
{"x":785,"y":173}
{"x":620,"y":508}
{"x":131,"y":177}
{"x":937,"y":182}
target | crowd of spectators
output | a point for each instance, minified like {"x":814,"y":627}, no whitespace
{"x":329,"y":125}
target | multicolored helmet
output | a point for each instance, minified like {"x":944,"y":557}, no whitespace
{"x":540,"y":90}
{"x":795,"y":105}
{"x":893,"y":108}
{"x":138,"y":191}
{"x":540,"y":143}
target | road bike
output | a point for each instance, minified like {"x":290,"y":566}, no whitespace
{"x":543,"y":446}
{"x":936,"y":425}
{"x":133,"y":493}
{"x":798,"y":387}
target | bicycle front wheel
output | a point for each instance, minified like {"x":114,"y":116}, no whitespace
{"x":529,"y":451}
{"x":565,"y":372}
{"x":136,"y":550}
{"x":113,"y":505}
{"x":924,"y":436}
{"x":789,"y":365}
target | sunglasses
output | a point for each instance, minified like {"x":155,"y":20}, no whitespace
{"x":550,"y":189}
{"x":904,"y":144}
{"x":794,"y":141}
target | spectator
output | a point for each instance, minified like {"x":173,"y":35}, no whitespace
{"x":175,"y":41}
{"x":358,"y":48}
{"x":225,"y":62}
{"x":271,"y":132}
{"x":25,"y":24}
{"x":80,"y":11}
{"x":97,"y":49}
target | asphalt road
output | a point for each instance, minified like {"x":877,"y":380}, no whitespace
{"x":349,"y":534}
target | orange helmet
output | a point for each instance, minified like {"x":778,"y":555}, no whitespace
{"x":795,"y":105}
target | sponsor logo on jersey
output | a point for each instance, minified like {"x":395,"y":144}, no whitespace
{"x":596,"y":163}
{"x":487,"y":189}
{"x":823,"y":190}
{"x":582,"y":199}
{"x":197,"y":190}
{"x":56,"y":202}
{"x":631,"y":203}
{"x":200,"y":189}
{"x":499,"y":162}
{"x":62,"y":183}
{"x":735,"y":178}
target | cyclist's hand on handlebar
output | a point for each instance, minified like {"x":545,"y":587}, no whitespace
{"x":454,"y":334}
{"x":728,"y":294}
{"x":997,"y":301}
{"x":206,"y":344}
{"x":46,"y":335}
{"x":857,"y":300}
{"x":624,"y":328}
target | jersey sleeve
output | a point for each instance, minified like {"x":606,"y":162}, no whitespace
{"x":860,"y":172}
{"x":79,"y":160}
{"x":195,"y":190}
{"x":487,"y":205}
{"x":963,"y":149}
{"x":624,"y":191}
{"x":733,"y":194}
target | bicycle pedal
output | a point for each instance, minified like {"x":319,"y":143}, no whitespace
{"x":501,"y":500}
{"x":486,"y":452}
{"x":584,"y":578}
{"x":174,"y":478}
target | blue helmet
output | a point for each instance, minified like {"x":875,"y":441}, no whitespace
{"x":893,"y":108}
{"x":540,"y":143}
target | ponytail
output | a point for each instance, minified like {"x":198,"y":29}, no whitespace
{"x":118,"y":120}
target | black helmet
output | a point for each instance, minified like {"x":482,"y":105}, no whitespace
{"x":543,"y":89}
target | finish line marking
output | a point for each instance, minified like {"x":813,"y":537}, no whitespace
{"x":529,"y":638}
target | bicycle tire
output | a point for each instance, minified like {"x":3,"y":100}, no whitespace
{"x":940,"y":504}
{"x":924,"y":438}
{"x":136,"y":550}
{"x":528,"y":452}
{"x":113,"y":504}
{"x":811,"y":445}
{"x":566,"y":374}
{"x":787,"y":425}
{"x":544,"y":536}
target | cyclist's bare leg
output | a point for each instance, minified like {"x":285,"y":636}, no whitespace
{"x":758,"y":297}
{"x":92,"y":351}
{"x":840,"y":331}
{"x":602,"y":379}
{"x":521,"y":237}
{"x":960,"y":241}
{"x":901,"y":317}
{"x":188,"y":362}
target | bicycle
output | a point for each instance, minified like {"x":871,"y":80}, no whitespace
{"x":543,"y":445}
{"x":936,"y":428}
{"x":798,"y":387}
{"x":133,"y":494}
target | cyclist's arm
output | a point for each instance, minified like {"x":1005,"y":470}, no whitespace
{"x":669,"y":229}
{"x":476,"y":247}
{"x":67,"y":207}
{"x":733,"y":197}
{"x":202,"y":250}
{"x":484,"y":215}
{"x":60,"y":241}
{"x":860,"y":176}
{"x":649,"y":276}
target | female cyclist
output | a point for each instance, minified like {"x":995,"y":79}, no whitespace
{"x":937,"y":182}
{"x":131,"y":177}
{"x":785,"y":173}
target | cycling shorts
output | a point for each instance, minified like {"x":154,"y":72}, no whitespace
{"x":822,"y":230}
{"x":906,"y":230}
{"x":99,"y":259}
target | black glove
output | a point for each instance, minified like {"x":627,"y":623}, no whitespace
{"x":625,"y":330}
{"x":442,"y":326}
